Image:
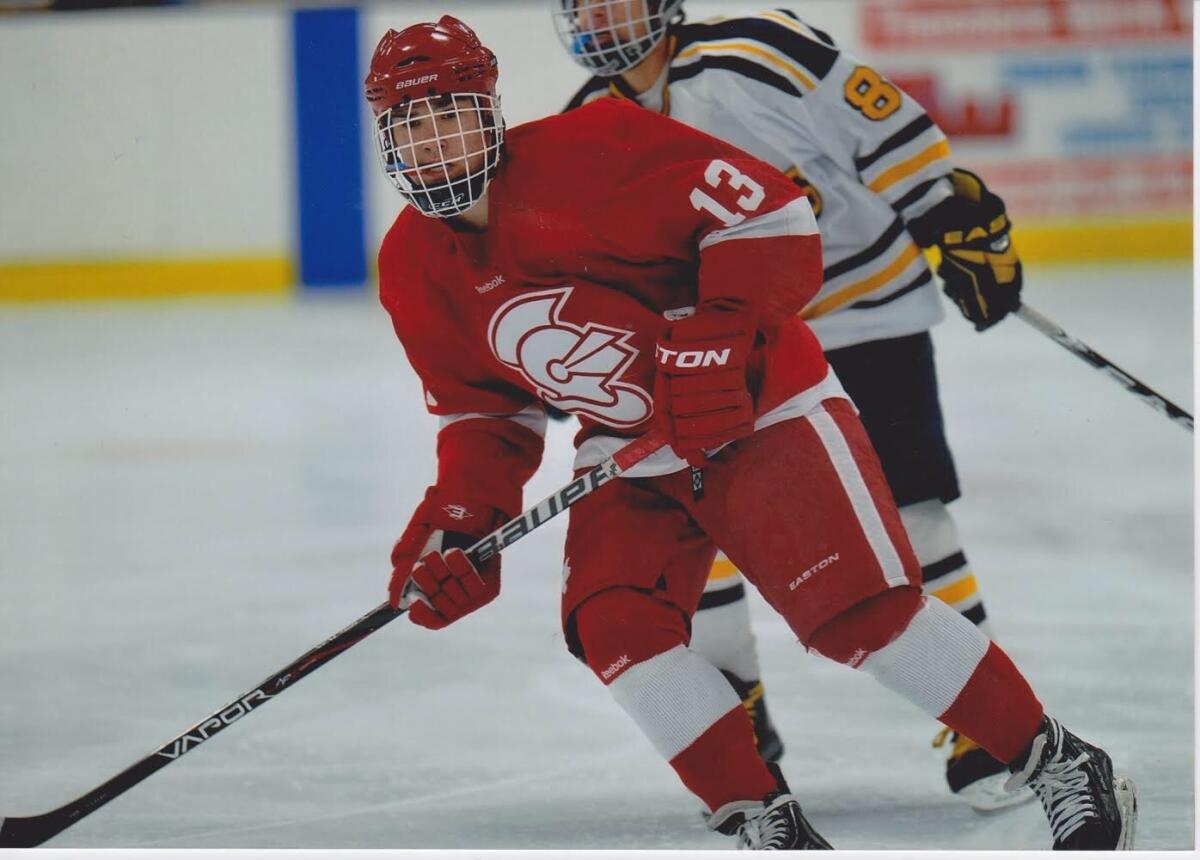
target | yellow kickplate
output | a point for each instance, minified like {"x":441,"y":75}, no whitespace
{"x":1085,"y":242}
{"x":143,"y":279}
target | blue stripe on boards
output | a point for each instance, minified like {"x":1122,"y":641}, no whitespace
{"x":329,"y":169}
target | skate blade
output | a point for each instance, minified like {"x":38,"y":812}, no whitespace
{"x":988,"y":794}
{"x":1126,"y":793}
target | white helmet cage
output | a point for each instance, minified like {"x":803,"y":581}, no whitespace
{"x":608,"y":37}
{"x":441,"y":152}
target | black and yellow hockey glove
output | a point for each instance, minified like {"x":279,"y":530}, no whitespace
{"x":979,"y":269}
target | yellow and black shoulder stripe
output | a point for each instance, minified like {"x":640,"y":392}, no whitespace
{"x":594,"y":88}
{"x":598,"y":88}
{"x":774,"y":48}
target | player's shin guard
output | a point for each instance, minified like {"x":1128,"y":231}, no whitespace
{"x":939,"y":661}
{"x":683,"y":704}
{"x":945,"y":573}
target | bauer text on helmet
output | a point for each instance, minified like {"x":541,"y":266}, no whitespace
{"x":608,"y":37}
{"x":438,"y":126}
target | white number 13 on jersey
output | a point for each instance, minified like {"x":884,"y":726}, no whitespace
{"x":718,"y":172}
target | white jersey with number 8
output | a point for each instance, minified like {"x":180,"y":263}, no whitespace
{"x":866,"y":154}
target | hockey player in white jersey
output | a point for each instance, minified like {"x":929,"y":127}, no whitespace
{"x":878,"y":173}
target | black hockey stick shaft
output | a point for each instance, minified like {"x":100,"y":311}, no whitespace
{"x":1096,"y":360}
{"x":26,"y":832}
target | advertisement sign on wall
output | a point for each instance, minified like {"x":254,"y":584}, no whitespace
{"x":1071,"y":108}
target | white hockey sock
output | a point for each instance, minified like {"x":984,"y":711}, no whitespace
{"x":674,"y":697}
{"x":932,"y":660}
{"x":721,"y":626}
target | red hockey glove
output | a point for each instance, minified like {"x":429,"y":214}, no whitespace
{"x":448,"y":586}
{"x":700,"y":392}
{"x":431,"y":575}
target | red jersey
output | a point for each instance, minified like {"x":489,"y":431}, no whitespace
{"x":605,"y":224}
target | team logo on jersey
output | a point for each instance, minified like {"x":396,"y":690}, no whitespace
{"x":574,"y":369}
{"x":814,"y":196}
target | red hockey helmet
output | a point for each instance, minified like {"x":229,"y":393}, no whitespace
{"x":439,"y":130}
{"x":429,"y":60}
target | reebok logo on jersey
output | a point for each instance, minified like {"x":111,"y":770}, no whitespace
{"x":691,"y":358}
{"x":414,"y":82}
{"x":616,"y":667}
{"x":456,"y":512}
{"x":490,"y":285}
{"x":808,"y":574}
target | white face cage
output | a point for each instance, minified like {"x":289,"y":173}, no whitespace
{"x":441,"y":152}
{"x":609,"y":37}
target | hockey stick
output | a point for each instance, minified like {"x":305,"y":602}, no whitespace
{"x":1096,"y":360}
{"x":26,"y":832}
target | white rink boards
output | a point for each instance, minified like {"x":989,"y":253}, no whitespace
{"x":196,"y":493}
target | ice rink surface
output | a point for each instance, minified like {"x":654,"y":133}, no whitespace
{"x":194,"y":494}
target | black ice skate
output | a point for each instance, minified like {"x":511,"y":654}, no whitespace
{"x":1089,"y":809}
{"x":770,"y":745}
{"x":976,"y":777}
{"x":774,"y":824}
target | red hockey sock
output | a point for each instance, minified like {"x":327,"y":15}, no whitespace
{"x":996,"y":709}
{"x":723,"y":765}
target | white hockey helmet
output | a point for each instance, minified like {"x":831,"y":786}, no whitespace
{"x":608,"y":37}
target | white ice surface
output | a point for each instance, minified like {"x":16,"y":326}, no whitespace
{"x":193,"y":494}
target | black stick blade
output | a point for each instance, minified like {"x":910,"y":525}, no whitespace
{"x":29,"y":832}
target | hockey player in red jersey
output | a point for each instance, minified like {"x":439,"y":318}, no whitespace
{"x":652,"y":280}
{"x":879,"y":174}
